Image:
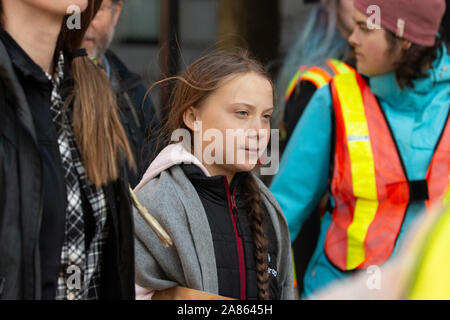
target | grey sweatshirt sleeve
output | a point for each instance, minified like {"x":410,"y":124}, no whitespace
{"x":190,"y":262}
{"x":156,"y":268}
{"x":148,"y":272}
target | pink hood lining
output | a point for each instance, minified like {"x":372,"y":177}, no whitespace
{"x":170,"y":156}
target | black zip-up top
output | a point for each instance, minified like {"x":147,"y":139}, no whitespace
{"x":232,"y":236}
{"x":33,"y":195}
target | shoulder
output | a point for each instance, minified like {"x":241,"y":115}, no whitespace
{"x":322,"y":97}
{"x":267,"y":194}
{"x":165,"y":196}
{"x":8,"y":79}
{"x":271,"y":205}
{"x":159,"y":191}
{"x":128,"y":78}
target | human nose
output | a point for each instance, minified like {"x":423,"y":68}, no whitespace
{"x":353,"y":38}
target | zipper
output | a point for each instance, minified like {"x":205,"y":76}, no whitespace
{"x":238,"y":236}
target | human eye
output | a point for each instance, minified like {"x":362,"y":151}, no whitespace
{"x":363,"y":27}
{"x":242,"y":113}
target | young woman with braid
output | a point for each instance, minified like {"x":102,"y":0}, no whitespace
{"x":66,"y":229}
{"x":230,"y":236}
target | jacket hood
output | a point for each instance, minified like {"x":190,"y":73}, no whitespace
{"x":173,"y":154}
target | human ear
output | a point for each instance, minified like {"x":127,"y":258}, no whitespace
{"x":189,"y":117}
{"x":117,"y":12}
{"x":405,"y":44}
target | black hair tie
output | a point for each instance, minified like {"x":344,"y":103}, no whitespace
{"x":78,"y":53}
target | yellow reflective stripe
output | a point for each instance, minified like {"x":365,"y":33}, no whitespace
{"x":357,"y":130}
{"x":362,"y":166}
{"x":294,"y":273}
{"x":315,"y":78}
{"x":293,"y":84}
{"x":363,"y":216}
{"x":339,"y":66}
{"x":432,"y":277}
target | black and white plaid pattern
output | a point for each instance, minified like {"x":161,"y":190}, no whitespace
{"x":79,"y":276}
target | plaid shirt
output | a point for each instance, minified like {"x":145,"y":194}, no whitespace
{"x":79,"y":275}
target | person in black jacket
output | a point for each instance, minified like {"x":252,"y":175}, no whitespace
{"x":229,"y":236}
{"x":137,"y":112}
{"x":66,"y":230}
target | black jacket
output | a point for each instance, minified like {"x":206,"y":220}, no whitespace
{"x":217,"y":198}
{"x":137,"y":114}
{"x":22,"y":202}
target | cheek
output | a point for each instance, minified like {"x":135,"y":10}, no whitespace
{"x":376,"y":59}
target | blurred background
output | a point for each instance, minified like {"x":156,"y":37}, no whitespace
{"x":158,"y":38}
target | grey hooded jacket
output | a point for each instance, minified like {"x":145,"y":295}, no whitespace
{"x":190,"y":262}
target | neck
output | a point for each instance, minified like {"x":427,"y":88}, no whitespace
{"x":35,"y":31}
{"x":219,"y":171}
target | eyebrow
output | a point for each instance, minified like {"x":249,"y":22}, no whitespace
{"x":359,"y":21}
{"x":251,"y":106}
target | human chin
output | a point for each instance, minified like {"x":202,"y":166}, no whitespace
{"x":82,"y":4}
{"x":59,"y":7}
{"x":364,"y":68}
{"x":243,"y":167}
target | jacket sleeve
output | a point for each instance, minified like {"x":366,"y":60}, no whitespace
{"x":150,"y":274}
{"x":303,"y":176}
{"x":156,"y":267}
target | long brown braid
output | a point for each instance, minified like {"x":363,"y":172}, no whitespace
{"x":252,"y":200}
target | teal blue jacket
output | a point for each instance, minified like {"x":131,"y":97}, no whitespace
{"x":417,"y":117}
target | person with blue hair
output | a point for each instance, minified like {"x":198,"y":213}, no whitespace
{"x":323,"y":37}
{"x":310,"y":64}
{"x":376,"y":140}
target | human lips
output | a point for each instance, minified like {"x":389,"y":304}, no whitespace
{"x":251,"y":150}
{"x":359,"y":55}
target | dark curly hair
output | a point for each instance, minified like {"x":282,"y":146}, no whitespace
{"x":416,"y":61}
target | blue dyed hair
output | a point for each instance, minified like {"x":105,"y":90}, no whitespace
{"x":318,"y":41}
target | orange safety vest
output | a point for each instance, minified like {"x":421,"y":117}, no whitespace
{"x":319,"y":76}
{"x":369,"y":183}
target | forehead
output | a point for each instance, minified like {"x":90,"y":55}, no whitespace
{"x":358,"y":16}
{"x":250,"y":88}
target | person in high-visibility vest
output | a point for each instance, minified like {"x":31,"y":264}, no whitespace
{"x":320,"y":52}
{"x":419,"y":270}
{"x":313,"y":60}
{"x":383,"y":132}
